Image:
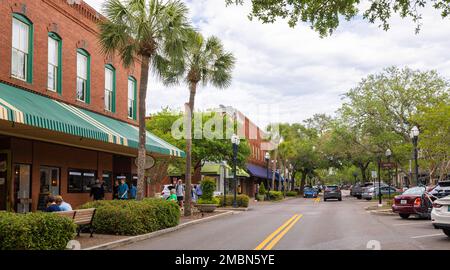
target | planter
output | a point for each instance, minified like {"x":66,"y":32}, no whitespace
{"x":206,"y":208}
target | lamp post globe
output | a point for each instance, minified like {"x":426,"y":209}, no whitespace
{"x":235,"y":140}
{"x":414,"y":135}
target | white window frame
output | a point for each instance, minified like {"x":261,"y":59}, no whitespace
{"x":131,"y":99}
{"x":54,"y":66}
{"x":109,"y":100}
{"x":17,"y":51}
{"x":80,"y":76}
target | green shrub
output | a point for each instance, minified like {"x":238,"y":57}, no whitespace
{"x":291,"y":193}
{"x":208,"y":187}
{"x":212,"y":201}
{"x":260,"y":197}
{"x":133,"y":217}
{"x":262,"y":190}
{"x":242,"y":200}
{"x":35,"y":231}
{"x":275,"y":195}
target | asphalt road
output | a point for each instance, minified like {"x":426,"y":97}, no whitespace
{"x":308,"y":224}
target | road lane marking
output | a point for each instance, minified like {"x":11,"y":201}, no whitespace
{"x":429,"y":235}
{"x":317,"y":200}
{"x":278,"y":238}
{"x":272,"y":235}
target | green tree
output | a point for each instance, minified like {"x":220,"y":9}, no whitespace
{"x":206,"y":61}
{"x":203,"y":148}
{"x":434,"y":123}
{"x":324,"y":16}
{"x":150,"y":32}
{"x":382,"y":107}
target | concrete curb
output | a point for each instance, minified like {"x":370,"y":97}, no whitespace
{"x":134,"y":239}
{"x":382,"y":212}
{"x":233,"y":209}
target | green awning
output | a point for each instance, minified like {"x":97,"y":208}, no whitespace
{"x":31,"y":109}
{"x":214,"y":169}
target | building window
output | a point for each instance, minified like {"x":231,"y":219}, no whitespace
{"x":80,"y":181}
{"x":22,"y":48}
{"x":83,"y":76}
{"x":132,"y":98}
{"x":110,"y":88}
{"x":54,"y":78}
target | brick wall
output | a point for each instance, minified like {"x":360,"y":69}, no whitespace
{"x":77,"y":26}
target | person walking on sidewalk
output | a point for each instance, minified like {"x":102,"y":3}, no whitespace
{"x":97,"y":191}
{"x":180,"y":192}
{"x":123,"y":190}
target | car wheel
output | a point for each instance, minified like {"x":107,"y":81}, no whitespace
{"x":447,"y":232}
{"x":340,"y":199}
{"x":359,"y":197}
{"x":404,"y":216}
{"x":324,"y":199}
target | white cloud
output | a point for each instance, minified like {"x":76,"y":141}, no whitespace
{"x":296,"y":70}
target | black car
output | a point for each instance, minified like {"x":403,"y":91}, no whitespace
{"x":332,"y":192}
{"x":442,"y":189}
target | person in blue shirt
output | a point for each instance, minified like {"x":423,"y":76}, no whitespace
{"x":123,"y":190}
{"x":133,"y":192}
{"x":51,"y":205}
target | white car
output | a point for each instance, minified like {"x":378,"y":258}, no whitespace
{"x":440,"y":215}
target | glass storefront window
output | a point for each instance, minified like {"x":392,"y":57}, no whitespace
{"x":80,"y":181}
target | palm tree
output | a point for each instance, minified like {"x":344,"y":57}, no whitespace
{"x":151,"y":32}
{"x":205,"y":61}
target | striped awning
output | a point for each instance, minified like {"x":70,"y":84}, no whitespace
{"x":31,"y":109}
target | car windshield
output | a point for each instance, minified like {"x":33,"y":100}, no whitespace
{"x":444,"y":184}
{"x":414,"y":191}
{"x":332,"y":187}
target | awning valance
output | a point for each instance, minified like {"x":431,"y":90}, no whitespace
{"x":258,"y":171}
{"x":31,"y":109}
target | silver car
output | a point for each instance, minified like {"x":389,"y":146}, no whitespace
{"x":332,"y":192}
{"x":372,"y":192}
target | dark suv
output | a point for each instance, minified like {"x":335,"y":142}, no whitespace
{"x":442,"y":189}
{"x":332,"y":192}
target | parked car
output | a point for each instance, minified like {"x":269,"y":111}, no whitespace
{"x":332,"y":192}
{"x":357,"y":189}
{"x":440,"y":215}
{"x":441,"y":190}
{"x":373,"y":192}
{"x":414,"y":201}
{"x":310,"y":193}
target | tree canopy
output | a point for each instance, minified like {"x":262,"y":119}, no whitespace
{"x":324,"y":16}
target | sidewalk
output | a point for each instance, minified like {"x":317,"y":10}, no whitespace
{"x":105,"y":242}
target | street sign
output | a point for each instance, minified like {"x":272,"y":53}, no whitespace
{"x":388,"y":165}
{"x":374,"y":174}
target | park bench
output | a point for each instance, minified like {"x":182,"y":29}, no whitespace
{"x":82,"y":218}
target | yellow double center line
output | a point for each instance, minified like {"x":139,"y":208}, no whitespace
{"x":276,"y":236}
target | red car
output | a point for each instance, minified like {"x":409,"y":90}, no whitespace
{"x":414,"y":201}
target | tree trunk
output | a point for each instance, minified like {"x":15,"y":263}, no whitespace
{"x":303,"y":181}
{"x":188,"y":180}
{"x":142,"y":152}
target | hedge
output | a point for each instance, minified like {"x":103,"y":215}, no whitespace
{"x":276,"y":195}
{"x":242,"y":200}
{"x":291,"y":193}
{"x":133,"y":217}
{"x":35,"y":231}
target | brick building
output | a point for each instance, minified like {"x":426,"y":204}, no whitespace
{"x":67,"y":113}
{"x":259,"y":146}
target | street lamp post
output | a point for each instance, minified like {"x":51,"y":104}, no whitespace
{"x":267,"y":157}
{"x":380,"y":203}
{"x":388,"y":155}
{"x":235,"y":141}
{"x":414,"y":135}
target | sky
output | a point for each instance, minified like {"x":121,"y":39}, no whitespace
{"x":288,"y":74}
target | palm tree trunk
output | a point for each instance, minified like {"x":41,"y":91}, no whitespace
{"x":188,"y":180}
{"x":142,"y":152}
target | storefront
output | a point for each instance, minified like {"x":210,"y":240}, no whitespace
{"x":51,"y":148}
